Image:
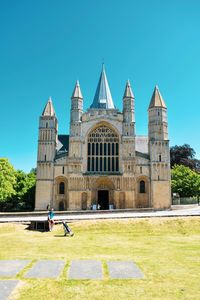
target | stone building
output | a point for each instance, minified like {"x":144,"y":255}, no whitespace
{"x":102,"y":163}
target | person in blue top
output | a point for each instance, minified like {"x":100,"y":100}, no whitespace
{"x":51,"y":219}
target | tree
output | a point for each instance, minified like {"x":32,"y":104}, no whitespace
{"x":17,"y":189}
{"x":183,"y":155}
{"x":185,"y":181}
{"x":24,"y":191}
{"x":7,"y":180}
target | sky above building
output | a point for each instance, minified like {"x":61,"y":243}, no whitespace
{"x":45,"y":46}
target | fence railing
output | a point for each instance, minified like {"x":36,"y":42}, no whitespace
{"x":185,"y":200}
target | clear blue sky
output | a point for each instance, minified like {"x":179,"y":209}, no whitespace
{"x":46,"y":45}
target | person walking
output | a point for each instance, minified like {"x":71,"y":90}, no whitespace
{"x":51,"y":216}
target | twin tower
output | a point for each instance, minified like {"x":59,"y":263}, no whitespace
{"x":102,"y":163}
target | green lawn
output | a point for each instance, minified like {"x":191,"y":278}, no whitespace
{"x":167,"y":250}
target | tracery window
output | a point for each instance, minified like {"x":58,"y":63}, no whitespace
{"x":103,"y":151}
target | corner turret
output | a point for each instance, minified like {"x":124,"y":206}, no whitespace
{"x":47,"y":142}
{"x":76,"y":111}
{"x":159,"y":152}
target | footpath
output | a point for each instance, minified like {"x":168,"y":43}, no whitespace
{"x":53,"y":269}
{"x":70,"y":216}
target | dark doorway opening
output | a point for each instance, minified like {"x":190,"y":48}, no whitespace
{"x":103,"y":200}
{"x":61,"y":205}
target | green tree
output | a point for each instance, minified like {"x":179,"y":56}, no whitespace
{"x":7,"y":180}
{"x":24,"y":191}
{"x":17,"y":189}
{"x":185,"y":181}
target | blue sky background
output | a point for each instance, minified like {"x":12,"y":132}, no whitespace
{"x":46,"y":45}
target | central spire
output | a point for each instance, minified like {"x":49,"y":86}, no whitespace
{"x":103,"y":98}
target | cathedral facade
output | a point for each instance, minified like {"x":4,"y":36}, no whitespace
{"x":102,"y":163}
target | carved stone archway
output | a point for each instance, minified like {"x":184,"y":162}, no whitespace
{"x":60,"y":193}
{"x":142,"y":192}
{"x":103,"y":183}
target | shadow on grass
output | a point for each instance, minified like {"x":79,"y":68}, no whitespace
{"x":41,"y":226}
{"x":61,"y":235}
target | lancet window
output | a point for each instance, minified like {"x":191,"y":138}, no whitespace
{"x":61,"y":188}
{"x":103,"y":151}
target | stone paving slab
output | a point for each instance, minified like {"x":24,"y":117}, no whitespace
{"x":85,"y":269}
{"x":7,"y":287}
{"x":10,"y":268}
{"x":46,"y":269}
{"x":124,"y":270}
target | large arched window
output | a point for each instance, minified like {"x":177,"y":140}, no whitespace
{"x":142,"y":186}
{"x":103,"y":151}
{"x":61,"y":188}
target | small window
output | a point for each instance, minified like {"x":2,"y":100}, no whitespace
{"x":160,"y":158}
{"x":46,"y":125}
{"x":158,"y":177}
{"x":142,"y":187}
{"x":140,"y":170}
{"x":63,"y":170}
{"x":45,"y":157}
{"x":61,"y":188}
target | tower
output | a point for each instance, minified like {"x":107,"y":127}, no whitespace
{"x":75,"y":122}
{"x":159,"y":152}
{"x":47,"y":141}
{"x":128,"y":131}
{"x":128,"y":111}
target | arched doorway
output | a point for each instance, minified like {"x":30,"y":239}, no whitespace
{"x":142,"y":189}
{"x":103,"y":190}
{"x":61,"y":205}
{"x":103,"y":199}
{"x":60,"y":193}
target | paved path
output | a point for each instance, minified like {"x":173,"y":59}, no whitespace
{"x":10,"y":268}
{"x":46,"y":269}
{"x":177,"y":212}
{"x":7,"y":287}
{"x":85,"y":269}
{"x":78,"y":269}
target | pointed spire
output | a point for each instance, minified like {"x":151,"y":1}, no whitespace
{"x":156,"y":99}
{"x":103,"y":98}
{"x":49,"y":109}
{"x":128,"y":93}
{"x":77,"y":91}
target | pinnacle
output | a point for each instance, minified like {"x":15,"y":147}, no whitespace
{"x":103,"y":98}
{"x":157,"y":100}
{"x":49,"y":109}
{"x":128,"y":93}
{"x":77,"y":91}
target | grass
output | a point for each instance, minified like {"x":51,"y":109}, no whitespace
{"x":167,"y":250}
